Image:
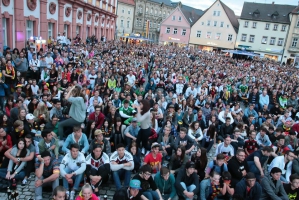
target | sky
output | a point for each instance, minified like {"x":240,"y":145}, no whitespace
{"x":235,"y":5}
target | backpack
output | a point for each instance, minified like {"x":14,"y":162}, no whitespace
{"x":214,"y":165}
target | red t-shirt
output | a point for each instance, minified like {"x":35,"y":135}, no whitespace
{"x":153,"y":162}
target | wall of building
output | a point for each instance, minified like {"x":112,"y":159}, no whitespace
{"x":213,"y":40}
{"x":18,"y":12}
{"x":124,"y":30}
{"x":171,"y":23}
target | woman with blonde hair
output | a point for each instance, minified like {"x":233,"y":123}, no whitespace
{"x":86,"y":193}
{"x":41,"y":113}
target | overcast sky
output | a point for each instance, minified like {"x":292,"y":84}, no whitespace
{"x":235,"y":5}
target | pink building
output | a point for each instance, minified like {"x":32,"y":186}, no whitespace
{"x":175,"y":29}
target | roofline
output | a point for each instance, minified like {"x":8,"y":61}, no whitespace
{"x":264,"y":21}
{"x":173,"y":12}
{"x":126,"y":3}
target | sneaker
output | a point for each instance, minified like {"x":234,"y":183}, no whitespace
{"x":67,"y":194}
{"x":72,"y":195}
{"x":143,"y":150}
{"x":24,"y":182}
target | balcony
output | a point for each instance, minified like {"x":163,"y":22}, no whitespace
{"x":293,"y":49}
{"x":139,"y":13}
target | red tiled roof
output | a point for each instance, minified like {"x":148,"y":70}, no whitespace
{"x":131,"y":2}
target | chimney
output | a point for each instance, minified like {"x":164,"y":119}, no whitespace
{"x":273,"y":2}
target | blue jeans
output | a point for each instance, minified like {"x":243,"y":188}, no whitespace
{"x":151,"y":195}
{"x":252,"y":168}
{"x":39,"y":190}
{"x":19,"y":176}
{"x":283,"y":179}
{"x":122,"y":173}
{"x":189,"y":188}
{"x":76,"y":180}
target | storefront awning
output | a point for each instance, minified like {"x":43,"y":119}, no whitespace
{"x":239,"y":52}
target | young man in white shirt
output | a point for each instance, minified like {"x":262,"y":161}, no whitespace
{"x":121,"y":164}
{"x":72,"y":168}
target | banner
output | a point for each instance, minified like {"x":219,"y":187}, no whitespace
{"x":147,"y":28}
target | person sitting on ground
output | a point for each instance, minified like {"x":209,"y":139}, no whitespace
{"x":148,"y":185}
{"x":154,"y":158}
{"x":72,"y":168}
{"x":217,"y":165}
{"x":59,"y":193}
{"x":46,"y":172}
{"x":86,"y":193}
{"x":49,"y":143}
{"x":185,"y":140}
{"x":292,"y":189}
{"x":121,"y":164}
{"x":187,"y":183}
{"x":97,"y":168}
{"x":178,"y":160}
{"x":165,"y":182}
{"x":99,"y":139}
{"x":225,"y":148}
{"x":248,"y":188}
{"x":256,"y":161}
{"x":77,"y":137}
{"x":133,"y":192}
{"x":211,"y":187}
{"x":272,"y":187}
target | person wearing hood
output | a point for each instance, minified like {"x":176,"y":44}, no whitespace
{"x":248,"y":188}
{"x":97,"y":168}
{"x":272,"y":186}
{"x":150,"y":86}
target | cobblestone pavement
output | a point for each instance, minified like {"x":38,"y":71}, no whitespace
{"x":27,"y":192}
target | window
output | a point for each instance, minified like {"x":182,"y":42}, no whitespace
{"x":218,"y":35}
{"x":138,"y":22}
{"x":272,"y":40}
{"x":264,"y":40}
{"x":4,"y":33}
{"x":251,"y":38}
{"x":218,"y":13}
{"x":297,"y":23}
{"x":227,"y":25}
{"x":180,"y":18}
{"x":123,"y":11}
{"x":122,"y":23}
{"x":215,"y":23}
{"x":275,"y":27}
{"x":78,"y":29}
{"x":280,"y":42}
{"x":154,"y":24}
{"x":129,"y":12}
{"x":230,"y":37}
{"x":244,"y":36}
{"x":254,"y":25}
{"x":164,"y":14}
{"x":128,"y":24}
{"x":209,"y":34}
{"x":50,"y":29}
{"x":66,"y":27}
{"x":202,"y":23}
{"x":283,"y":28}
{"x":173,"y":18}
{"x":214,"y":13}
{"x":208,"y":23}
{"x":167,"y":30}
{"x":198,"y":34}
{"x":184,"y":32}
{"x":267,"y":26}
{"x":156,"y":12}
{"x":294,"y":42}
{"x":221,"y":24}
{"x":29,"y":29}
{"x":150,"y":24}
{"x":175,"y":31}
{"x":152,"y":10}
{"x":146,"y":10}
{"x":246,"y":24}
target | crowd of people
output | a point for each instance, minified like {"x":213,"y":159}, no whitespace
{"x":148,"y":118}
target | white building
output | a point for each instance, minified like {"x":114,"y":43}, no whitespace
{"x":263,"y":29}
{"x":125,"y":19}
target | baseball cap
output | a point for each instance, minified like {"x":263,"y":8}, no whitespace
{"x":190,"y":165}
{"x":155,"y":144}
{"x":250,"y":175}
{"x":29,"y":116}
{"x":134,"y":120}
{"x":135,"y":184}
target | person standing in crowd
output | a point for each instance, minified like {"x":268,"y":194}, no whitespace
{"x":77,"y":110}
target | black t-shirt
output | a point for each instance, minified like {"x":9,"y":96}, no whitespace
{"x":124,"y":194}
{"x":292,"y":194}
{"x":258,"y":154}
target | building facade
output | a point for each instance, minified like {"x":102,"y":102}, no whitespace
{"x":216,"y":29}
{"x":175,"y":29}
{"x":153,"y":10}
{"x":125,"y":17}
{"x":23,"y":19}
{"x":263,"y":29}
{"x":292,"y":40}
